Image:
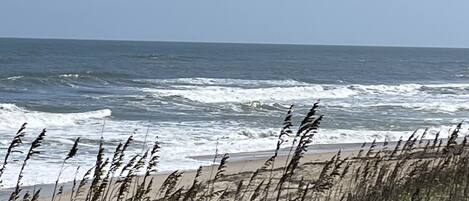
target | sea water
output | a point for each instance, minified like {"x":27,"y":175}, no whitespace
{"x":188,"y":96}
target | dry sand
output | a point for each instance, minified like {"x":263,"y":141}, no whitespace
{"x":240,"y":166}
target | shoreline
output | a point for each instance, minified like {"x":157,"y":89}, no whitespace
{"x":238,"y":163}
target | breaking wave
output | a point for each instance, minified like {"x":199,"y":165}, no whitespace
{"x":217,"y":94}
{"x":12,"y":116}
{"x":419,"y":96}
{"x":223,"y":82}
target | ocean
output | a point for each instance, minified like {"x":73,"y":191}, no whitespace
{"x":189,"y":96}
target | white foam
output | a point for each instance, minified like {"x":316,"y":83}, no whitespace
{"x":69,"y":75}
{"x":406,"y":89}
{"x":223,"y":82}
{"x":441,"y":106}
{"x":237,"y":88}
{"x":12,"y":116}
{"x":332,"y":136}
{"x":445,"y":98}
{"x":411,"y":87}
{"x":14,"y":77}
{"x":435,"y":105}
{"x":179,"y":141}
{"x":402,"y":89}
{"x":63,"y":128}
{"x":217,"y":94}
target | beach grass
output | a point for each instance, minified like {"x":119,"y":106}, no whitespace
{"x":412,"y":169}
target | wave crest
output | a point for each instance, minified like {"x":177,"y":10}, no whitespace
{"x":12,"y":116}
{"x":207,"y":90}
{"x":216,"y":94}
{"x":223,"y":82}
{"x":69,"y":75}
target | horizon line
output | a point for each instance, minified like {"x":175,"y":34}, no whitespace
{"x":228,"y":42}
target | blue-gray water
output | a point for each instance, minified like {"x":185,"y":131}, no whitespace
{"x":191,"y":94}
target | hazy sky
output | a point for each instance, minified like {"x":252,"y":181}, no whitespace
{"x":353,"y":22}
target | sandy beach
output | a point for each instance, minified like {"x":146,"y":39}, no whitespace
{"x":240,"y":166}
